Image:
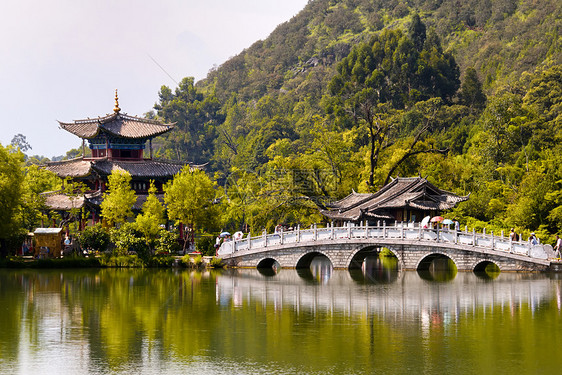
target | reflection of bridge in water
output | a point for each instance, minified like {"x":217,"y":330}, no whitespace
{"x":414,"y":247}
{"x":407,"y":296}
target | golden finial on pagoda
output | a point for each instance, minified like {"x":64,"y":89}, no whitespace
{"x":116,"y":109}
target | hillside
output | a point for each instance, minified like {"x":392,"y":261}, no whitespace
{"x":349,"y":93}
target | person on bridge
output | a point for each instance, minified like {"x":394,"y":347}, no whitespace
{"x":557,"y":247}
{"x":533,"y":239}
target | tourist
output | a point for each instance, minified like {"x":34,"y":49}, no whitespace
{"x":557,"y":247}
{"x":512,"y":235}
{"x":533,"y":239}
{"x":457,"y":225}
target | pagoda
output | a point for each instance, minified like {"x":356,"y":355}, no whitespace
{"x":117,"y":141}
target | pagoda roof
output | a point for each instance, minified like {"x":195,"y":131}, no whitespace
{"x":58,"y":201}
{"x":402,"y":192}
{"x":146,"y":168}
{"x":117,"y":124}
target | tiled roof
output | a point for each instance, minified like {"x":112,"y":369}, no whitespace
{"x":121,"y":125}
{"x":411,"y":192}
{"x":60,"y":202}
{"x":137,"y":168}
{"x":70,"y":168}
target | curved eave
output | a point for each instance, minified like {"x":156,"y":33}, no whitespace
{"x":81,"y":129}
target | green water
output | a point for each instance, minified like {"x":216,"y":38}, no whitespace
{"x":316,"y":321}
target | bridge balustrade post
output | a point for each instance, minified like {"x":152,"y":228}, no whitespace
{"x":367,"y":229}
{"x":484,"y":232}
{"x":456,"y":237}
{"x":420,"y":234}
{"x":249,"y":241}
{"x":402,"y":230}
{"x":315,"y":232}
{"x":384,"y":229}
{"x":492,"y":234}
{"x":437,"y":233}
{"x":510,"y":244}
{"x":473,"y":237}
{"x":332,"y":231}
{"x":349,"y":231}
{"x":298,"y":233}
{"x":281,"y":238}
{"x":466,"y":229}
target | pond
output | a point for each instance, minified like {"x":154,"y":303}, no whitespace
{"x":312,"y":321}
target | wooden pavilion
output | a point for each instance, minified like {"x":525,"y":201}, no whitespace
{"x":403,"y":199}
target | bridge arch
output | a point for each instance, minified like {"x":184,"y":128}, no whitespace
{"x":426,"y":261}
{"x":268,"y":263}
{"x":306,"y":259}
{"x":481,"y":265}
{"x":357,"y":256}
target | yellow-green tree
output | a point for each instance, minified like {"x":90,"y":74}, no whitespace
{"x":152,"y":216}
{"x":119,"y":198}
{"x":189,"y":199}
{"x":11,"y":183}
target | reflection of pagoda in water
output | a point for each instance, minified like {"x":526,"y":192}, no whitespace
{"x":117,"y":142}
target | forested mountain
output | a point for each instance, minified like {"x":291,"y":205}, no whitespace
{"x":349,"y":93}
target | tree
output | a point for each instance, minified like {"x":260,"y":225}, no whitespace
{"x":471,"y":93}
{"x":189,"y":199}
{"x":11,"y":182}
{"x":416,"y":32}
{"x":152,"y":216}
{"x":385,"y":75}
{"x":19,"y":142}
{"x":119,"y":198}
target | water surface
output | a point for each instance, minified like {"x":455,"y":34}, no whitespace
{"x":316,"y":321}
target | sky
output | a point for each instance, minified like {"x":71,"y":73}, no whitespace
{"x":61,"y":60}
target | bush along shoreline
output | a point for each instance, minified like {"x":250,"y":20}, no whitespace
{"x":114,"y":261}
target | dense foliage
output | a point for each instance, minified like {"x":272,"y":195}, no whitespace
{"x":347,"y":94}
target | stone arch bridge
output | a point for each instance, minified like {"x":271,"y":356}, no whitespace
{"x":415,"y":248}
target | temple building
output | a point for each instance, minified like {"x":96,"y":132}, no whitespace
{"x":403,"y":199}
{"x":116,"y":141}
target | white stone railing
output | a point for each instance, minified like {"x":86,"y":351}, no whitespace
{"x":398,"y":232}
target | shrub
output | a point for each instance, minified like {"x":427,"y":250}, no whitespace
{"x":206,"y":245}
{"x":167,"y":242}
{"x":127,"y":239}
{"x":94,"y":238}
{"x":161,"y":261}
{"x":121,"y":261}
{"x":216,"y":263}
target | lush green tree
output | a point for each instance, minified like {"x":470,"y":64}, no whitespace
{"x":37,"y":180}
{"x":11,"y":185}
{"x":119,"y":198}
{"x":189,"y":198}
{"x":148,"y":222}
{"x":471,"y":93}
{"x":196,"y":117}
